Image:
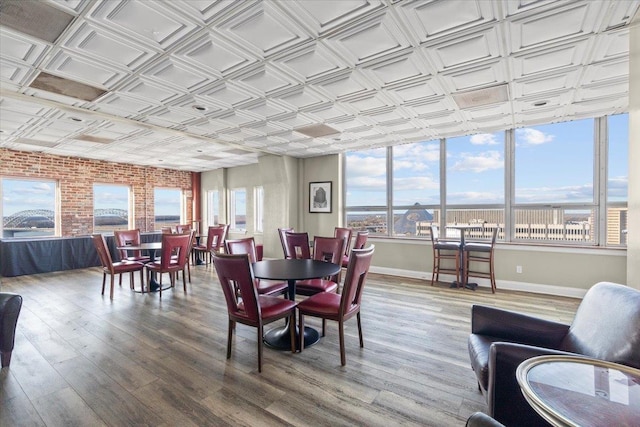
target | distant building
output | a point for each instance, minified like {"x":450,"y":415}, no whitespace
{"x":406,"y":224}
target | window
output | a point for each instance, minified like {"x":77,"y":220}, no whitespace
{"x":259,"y":209}
{"x":167,"y":207}
{"x":617,"y":179}
{"x":366,"y":190}
{"x":555,"y":202}
{"x":213,"y":207}
{"x":563,"y":183}
{"x":28,"y":208}
{"x":238,"y":203}
{"x":415,"y":188}
{"x":110,"y":208}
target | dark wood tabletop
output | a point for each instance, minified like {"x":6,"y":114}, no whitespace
{"x":293,"y":269}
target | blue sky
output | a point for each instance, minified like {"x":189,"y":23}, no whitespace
{"x":554,"y":163}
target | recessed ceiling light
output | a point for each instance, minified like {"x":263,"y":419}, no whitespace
{"x":540,"y":104}
{"x":199,"y":108}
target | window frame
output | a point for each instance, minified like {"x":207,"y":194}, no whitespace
{"x":258,"y":207}
{"x":181,"y":213}
{"x":233,"y":224}
{"x":57,"y":218}
{"x":130,"y":213}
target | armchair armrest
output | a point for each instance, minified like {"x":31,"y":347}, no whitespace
{"x":504,"y":397}
{"x":516,"y":327}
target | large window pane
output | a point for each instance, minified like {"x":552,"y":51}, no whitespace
{"x":554,"y":163}
{"x":373,"y":221}
{"x":554,"y":224}
{"x":239,"y":209}
{"x":28,"y":208}
{"x":475,"y":169}
{"x":167,"y":207}
{"x":366,"y":178}
{"x":617,"y":180}
{"x":110,"y":208}
{"x":213,"y":207}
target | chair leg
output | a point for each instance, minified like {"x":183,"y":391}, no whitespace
{"x":343,"y":358}
{"x":324,"y":327}
{"x":112,"y":281}
{"x":259,"y":328}
{"x":184,"y":282}
{"x":301,"y":330}
{"x":104,"y":281}
{"x":6,"y":358}
{"x":492,"y":273}
{"x":131,"y":280}
{"x":360,"y":330}
{"x":232,"y":325}
{"x":142,"y":280}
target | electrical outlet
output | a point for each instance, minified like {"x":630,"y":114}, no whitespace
{"x":518,"y":269}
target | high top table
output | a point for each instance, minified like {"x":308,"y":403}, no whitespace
{"x":462,"y":228}
{"x":292,"y":270}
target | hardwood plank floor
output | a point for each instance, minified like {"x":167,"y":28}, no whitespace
{"x":81,"y":359}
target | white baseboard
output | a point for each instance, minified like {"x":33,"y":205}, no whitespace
{"x":536,"y":288}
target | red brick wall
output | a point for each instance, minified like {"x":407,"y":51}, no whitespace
{"x":76,"y":177}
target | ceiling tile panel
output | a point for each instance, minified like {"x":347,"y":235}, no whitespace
{"x":145,"y":21}
{"x":467,"y":50}
{"x":397,"y":70}
{"x":21,"y":48}
{"x":264,"y":80}
{"x":550,"y":59}
{"x":573,"y":20}
{"x":14,"y":72}
{"x":612,"y":45}
{"x":606,"y":71}
{"x":484,"y":75}
{"x":85,"y":70}
{"x":177,"y":74}
{"x":313,"y":61}
{"x":547,"y":83}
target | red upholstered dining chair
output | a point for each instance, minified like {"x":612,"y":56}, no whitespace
{"x":113,"y":268}
{"x":174,"y":257}
{"x":244,"y":305}
{"x":247,"y":246}
{"x":340,"y":307}
{"x":126,"y":238}
{"x":328,"y":249}
{"x":297,"y":245}
{"x":283,"y":241}
{"x":360,"y":242}
{"x":344,"y":233}
{"x":183,"y":228}
{"x":216,"y":234}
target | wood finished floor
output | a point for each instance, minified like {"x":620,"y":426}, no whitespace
{"x":81,"y":359}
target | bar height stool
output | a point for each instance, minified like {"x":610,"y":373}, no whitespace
{"x":447,"y":250}
{"x":480,"y":252}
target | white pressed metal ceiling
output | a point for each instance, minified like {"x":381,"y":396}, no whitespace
{"x":379,"y":72}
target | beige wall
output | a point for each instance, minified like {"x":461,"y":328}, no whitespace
{"x":633,"y":243}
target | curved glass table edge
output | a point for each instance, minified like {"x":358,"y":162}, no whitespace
{"x":541,"y":407}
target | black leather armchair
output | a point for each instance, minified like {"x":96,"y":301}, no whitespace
{"x":606,"y":326}
{"x":479,"y":419}
{"x":10,"y":305}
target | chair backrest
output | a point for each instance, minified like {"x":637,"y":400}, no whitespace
{"x":607,"y":325}
{"x":329,"y":249}
{"x":175,"y":244}
{"x":357,"y":269}
{"x":167,"y":230}
{"x":183,"y":228}
{"x":216,"y":236}
{"x":127,"y":237}
{"x":361,"y":240}
{"x":103,"y":251}
{"x":344,"y":233}
{"x":297,"y":245}
{"x":283,"y":242}
{"x":236,"y":277}
{"x":242,"y":246}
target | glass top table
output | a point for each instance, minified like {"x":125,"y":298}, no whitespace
{"x":579,"y":391}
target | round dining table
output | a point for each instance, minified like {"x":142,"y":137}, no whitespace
{"x":151,"y":248}
{"x":292,"y":270}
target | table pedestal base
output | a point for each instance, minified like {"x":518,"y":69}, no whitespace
{"x":279,"y":338}
{"x":472,"y":286}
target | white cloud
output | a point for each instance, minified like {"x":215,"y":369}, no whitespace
{"x":533,"y":136}
{"x":569,"y":193}
{"x":367,"y":167}
{"x":415,"y":183}
{"x":483,"y":139}
{"x":482,"y":162}
{"x":472,"y":197}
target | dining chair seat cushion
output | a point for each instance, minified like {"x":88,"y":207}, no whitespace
{"x":270,"y":307}
{"x":444,"y":245}
{"x":126,"y":266}
{"x":142,"y":259}
{"x":478,"y":247}
{"x":325,"y":305}
{"x":269,"y":287}
{"x":313,"y":286}
{"x":345,"y":261}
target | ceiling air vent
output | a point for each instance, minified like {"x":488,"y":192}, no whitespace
{"x":35,"y":18}
{"x":92,"y":138}
{"x":317,"y":131}
{"x":36,"y":142}
{"x":62,"y":86}
{"x":480,"y":97}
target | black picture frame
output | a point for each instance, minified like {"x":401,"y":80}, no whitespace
{"x":320,"y":197}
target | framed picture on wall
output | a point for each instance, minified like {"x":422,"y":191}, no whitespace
{"x":320,"y":197}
